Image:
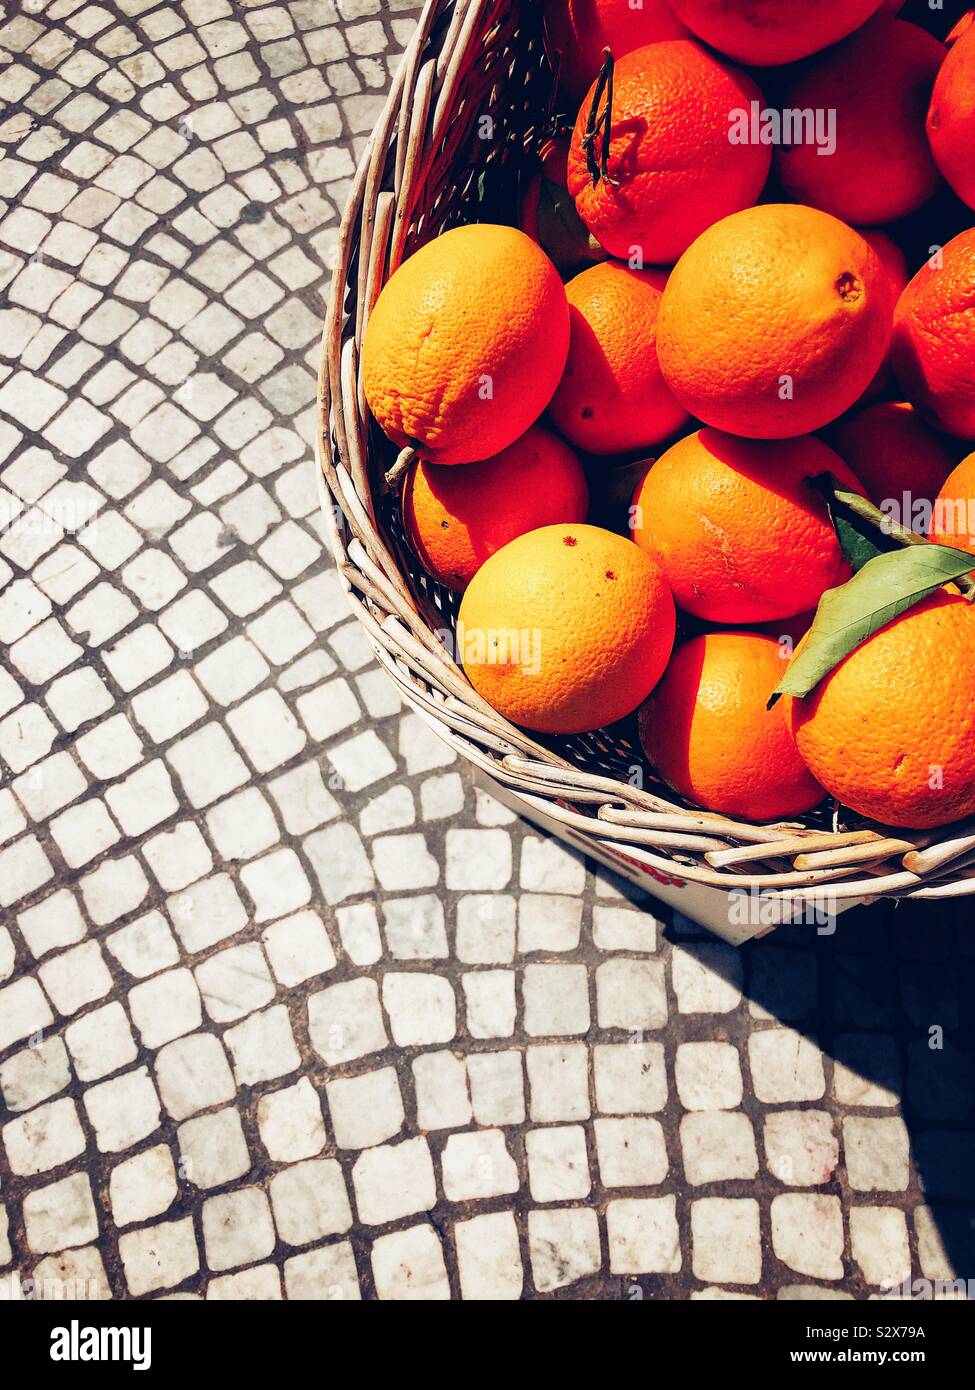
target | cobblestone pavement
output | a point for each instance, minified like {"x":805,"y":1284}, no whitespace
{"x":286,"y":1007}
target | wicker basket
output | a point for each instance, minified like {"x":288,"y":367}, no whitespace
{"x":428,"y":166}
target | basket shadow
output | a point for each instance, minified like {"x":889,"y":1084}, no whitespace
{"x":887,"y":997}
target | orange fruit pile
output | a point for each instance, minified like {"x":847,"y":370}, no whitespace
{"x":892,"y":451}
{"x":913,"y":762}
{"x":707,"y":731}
{"x":457,"y":518}
{"x":774,"y":322}
{"x":953,"y":513}
{"x":672,"y":171}
{"x":737,"y":527}
{"x":612,"y":397}
{"x":933,"y":352}
{"x":895,"y":263}
{"x":579,"y":30}
{"x":952,"y":116}
{"x":533,"y":625}
{"x":879,"y":80}
{"x":466,"y":344}
{"x":737,"y":345}
{"x":770,"y":32}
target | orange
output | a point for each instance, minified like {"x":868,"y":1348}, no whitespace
{"x":774,"y":322}
{"x":466,"y":344}
{"x":953,"y":516}
{"x":895,"y":263}
{"x":457,"y":517}
{"x":891,"y":256}
{"x":891,"y":731}
{"x":672,"y":169}
{"x":962,"y":27}
{"x":768,"y":32}
{"x":879,"y":83}
{"x":579,"y":30}
{"x":612,"y":397}
{"x":737,"y":527}
{"x":951,"y":119}
{"x":933,"y":350}
{"x":893,"y":452}
{"x":708,"y":732}
{"x":566,"y":629}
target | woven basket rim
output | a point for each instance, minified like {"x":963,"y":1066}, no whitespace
{"x":397,"y":177}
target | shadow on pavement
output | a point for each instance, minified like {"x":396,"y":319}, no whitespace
{"x":889,"y":997}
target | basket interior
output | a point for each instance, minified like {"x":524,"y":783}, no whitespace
{"x":614,"y":751}
{"x":514,"y":78}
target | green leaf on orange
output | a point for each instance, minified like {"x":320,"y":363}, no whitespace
{"x":888,"y":585}
{"x":861,"y":538}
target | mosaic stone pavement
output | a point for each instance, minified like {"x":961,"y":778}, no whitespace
{"x":287,"y":1008}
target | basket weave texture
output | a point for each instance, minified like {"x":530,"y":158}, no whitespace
{"x":472,"y":98}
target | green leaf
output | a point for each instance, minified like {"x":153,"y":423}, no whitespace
{"x":857,"y":545}
{"x":886,"y":586}
{"x":562,"y":232}
{"x":859,"y":526}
